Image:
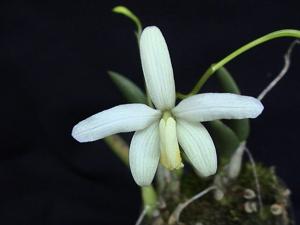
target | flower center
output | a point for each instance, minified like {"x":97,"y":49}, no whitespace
{"x":169,"y":148}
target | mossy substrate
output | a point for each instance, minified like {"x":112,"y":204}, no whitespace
{"x":231,"y":210}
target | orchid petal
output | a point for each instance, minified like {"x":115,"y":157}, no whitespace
{"x":198,"y":146}
{"x":157,"y":68}
{"x":213,"y":106}
{"x":122,"y":118}
{"x":144,"y":154}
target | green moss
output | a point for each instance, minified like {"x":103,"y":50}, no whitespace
{"x":231,"y":209}
{"x":192,"y":184}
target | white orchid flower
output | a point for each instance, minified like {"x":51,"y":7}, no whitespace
{"x":160,"y":131}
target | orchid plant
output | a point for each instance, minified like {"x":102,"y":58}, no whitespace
{"x":159,"y":130}
{"x":162,"y":127}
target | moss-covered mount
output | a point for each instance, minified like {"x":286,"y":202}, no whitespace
{"x":240,"y":204}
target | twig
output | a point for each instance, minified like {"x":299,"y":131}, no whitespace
{"x":175,"y":216}
{"x":284,"y":70}
{"x":257,"y":184}
{"x":142,"y":216}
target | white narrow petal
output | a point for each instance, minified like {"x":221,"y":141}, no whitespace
{"x":144,"y":154}
{"x":122,"y":118}
{"x":198,"y":146}
{"x":157,"y":68}
{"x":212,"y":106}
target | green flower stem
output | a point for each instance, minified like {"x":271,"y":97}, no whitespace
{"x":121,"y":149}
{"x":126,"y":12}
{"x":181,"y":96}
{"x":149,"y":199}
{"x":214,"y":67}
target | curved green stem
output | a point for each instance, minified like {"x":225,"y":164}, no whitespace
{"x":128,"y":13}
{"x":214,"y":67}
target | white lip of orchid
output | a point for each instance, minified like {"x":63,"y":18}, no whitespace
{"x":159,"y":132}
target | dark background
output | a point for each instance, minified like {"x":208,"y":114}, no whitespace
{"x":54,"y":57}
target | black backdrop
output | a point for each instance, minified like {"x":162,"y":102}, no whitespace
{"x":54,"y":57}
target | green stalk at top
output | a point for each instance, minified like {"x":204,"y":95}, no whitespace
{"x":214,"y":67}
{"x":126,"y":12}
